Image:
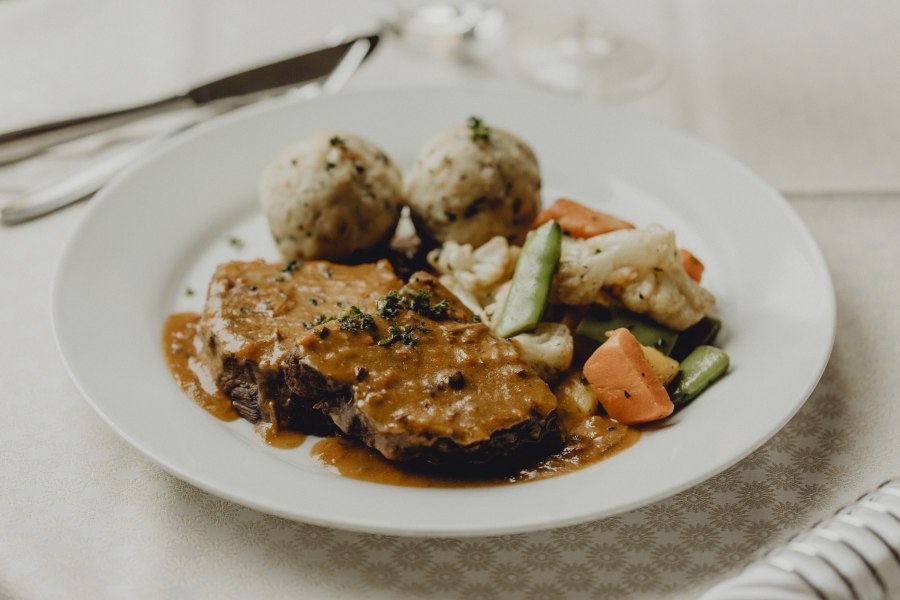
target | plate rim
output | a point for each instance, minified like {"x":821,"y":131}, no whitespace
{"x":809,"y":244}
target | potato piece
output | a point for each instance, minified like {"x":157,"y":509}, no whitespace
{"x":665,"y":368}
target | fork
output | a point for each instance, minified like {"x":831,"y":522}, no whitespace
{"x":84,"y":183}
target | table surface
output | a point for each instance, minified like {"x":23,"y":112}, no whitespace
{"x":806,"y":95}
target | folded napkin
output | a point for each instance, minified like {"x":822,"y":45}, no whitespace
{"x":855,"y":555}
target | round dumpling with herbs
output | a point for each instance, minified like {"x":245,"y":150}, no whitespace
{"x":471,"y":183}
{"x":331,"y":196}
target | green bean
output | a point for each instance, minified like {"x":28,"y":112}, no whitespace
{"x":701,"y":367}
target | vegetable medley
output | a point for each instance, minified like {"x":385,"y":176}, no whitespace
{"x":613,"y":314}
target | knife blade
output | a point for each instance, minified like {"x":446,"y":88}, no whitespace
{"x":311,"y":66}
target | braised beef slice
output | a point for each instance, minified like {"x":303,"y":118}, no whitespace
{"x":424,"y":382}
{"x":256,"y":312}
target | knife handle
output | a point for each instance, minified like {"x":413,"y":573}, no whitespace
{"x":16,"y":145}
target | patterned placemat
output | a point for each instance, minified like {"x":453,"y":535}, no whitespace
{"x":212,"y":546}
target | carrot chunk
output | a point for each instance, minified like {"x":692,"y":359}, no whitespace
{"x":692,"y":265}
{"x":624,"y":381}
{"x":578,"y":220}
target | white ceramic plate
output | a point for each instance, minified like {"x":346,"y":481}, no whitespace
{"x":164,"y":225}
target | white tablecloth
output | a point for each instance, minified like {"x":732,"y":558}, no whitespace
{"x":805,"y":94}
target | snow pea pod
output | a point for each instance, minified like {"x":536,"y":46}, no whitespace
{"x":600,"y":319}
{"x":530,"y":285}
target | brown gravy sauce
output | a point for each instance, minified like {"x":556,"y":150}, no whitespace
{"x":280,"y":438}
{"x":598,"y":438}
{"x":192,"y":374}
{"x":198,"y":382}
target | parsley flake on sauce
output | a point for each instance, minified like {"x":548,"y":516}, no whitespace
{"x":404,"y":335}
{"x":353,"y":319}
{"x":419,"y":301}
{"x":388,"y":305}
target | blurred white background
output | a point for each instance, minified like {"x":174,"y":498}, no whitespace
{"x":806,"y":93}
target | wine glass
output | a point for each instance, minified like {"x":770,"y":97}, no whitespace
{"x":578,"y":55}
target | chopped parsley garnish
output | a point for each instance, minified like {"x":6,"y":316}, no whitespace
{"x":338,"y":141}
{"x":420,"y":302}
{"x":480,"y":131}
{"x":354,"y":320}
{"x":439,"y":311}
{"x":388,"y":305}
{"x":189,"y":291}
{"x":404,"y":335}
{"x":236,"y":242}
{"x":290,"y":266}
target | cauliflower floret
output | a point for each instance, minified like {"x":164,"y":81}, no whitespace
{"x":478,"y":269}
{"x":548,"y":350}
{"x":645,"y":263}
{"x":669,"y":297}
{"x":495,"y":303}
{"x":476,"y":276}
{"x":465,"y":296}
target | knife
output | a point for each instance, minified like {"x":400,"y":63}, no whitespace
{"x":83,"y":183}
{"x":23,"y":143}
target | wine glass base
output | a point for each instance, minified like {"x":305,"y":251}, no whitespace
{"x":443,"y":25}
{"x":594,"y":64}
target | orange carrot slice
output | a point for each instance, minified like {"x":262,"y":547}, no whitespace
{"x":578,"y":220}
{"x":691,"y":264}
{"x":624,"y":381}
